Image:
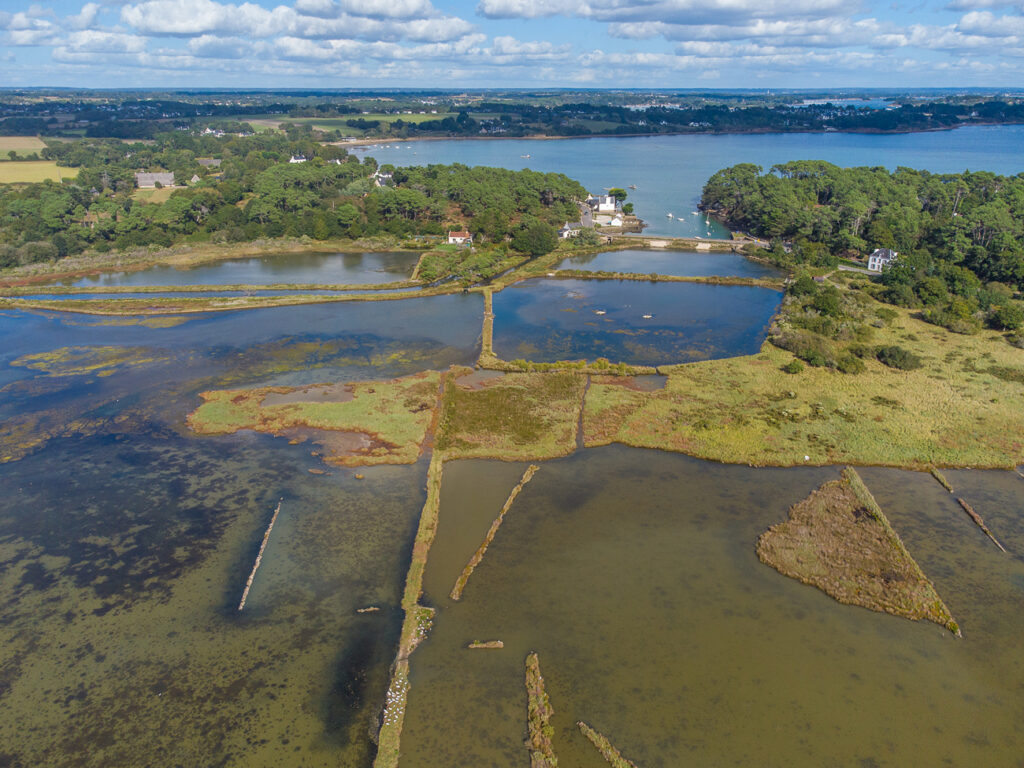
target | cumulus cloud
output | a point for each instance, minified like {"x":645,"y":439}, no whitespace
{"x":669,"y":11}
{"x":85,"y":18}
{"x":312,"y":19}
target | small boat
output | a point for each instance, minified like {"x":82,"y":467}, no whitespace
{"x":525,"y":156}
{"x":599,"y":312}
{"x":697,"y":236}
{"x":671,"y":216}
{"x":695,"y":213}
{"x":632,"y":186}
{"x":648,"y":317}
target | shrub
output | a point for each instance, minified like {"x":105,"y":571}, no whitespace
{"x":793,"y":366}
{"x":850,"y":364}
{"x":1008,"y":317}
{"x":898,"y":357}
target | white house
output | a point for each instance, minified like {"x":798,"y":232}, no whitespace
{"x":570,"y":229}
{"x":297,"y":159}
{"x":616,"y":221}
{"x":603,"y":203}
{"x":880,"y":258}
{"x":459,"y":237}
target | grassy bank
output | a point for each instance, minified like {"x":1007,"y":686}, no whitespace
{"x":960,"y":408}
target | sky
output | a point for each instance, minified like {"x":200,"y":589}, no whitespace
{"x":370,"y":44}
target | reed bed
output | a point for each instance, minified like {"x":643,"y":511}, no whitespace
{"x":259,"y":556}
{"x":605,"y":747}
{"x":979,"y":522}
{"x":474,"y":561}
{"x":840,"y":541}
{"x":538,"y":717}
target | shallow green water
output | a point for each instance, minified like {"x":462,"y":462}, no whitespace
{"x":125,"y":541}
{"x":633,"y":574}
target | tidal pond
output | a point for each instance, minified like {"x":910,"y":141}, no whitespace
{"x":640,"y":323}
{"x":666,"y":262}
{"x":633,"y":575}
{"x":304,"y":267}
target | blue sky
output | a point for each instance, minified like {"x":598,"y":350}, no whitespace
{"x":513,"y":43}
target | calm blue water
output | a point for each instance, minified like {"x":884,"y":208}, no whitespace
{"x":682,"y":263}
{"x":551,"y":320}
{"x":670,"y":171}
{"x":323,"y":268}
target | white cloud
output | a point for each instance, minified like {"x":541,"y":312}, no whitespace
{"x":668,"y":11}
{"x":988,"y":24}
{"x":193,"y":18}
{"x":85,"y":18}
{"x":91,"y":40}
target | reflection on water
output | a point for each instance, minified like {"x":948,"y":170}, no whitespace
{"x":551,"y":320}
{"x":305,"y":267}
{"x":682,"y":263}
{"x":633,"y":574}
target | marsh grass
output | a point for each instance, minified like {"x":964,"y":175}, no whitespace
{"x":747,"y":410}
{"x":394,"y":415}
{"x":840,"y":541}
{"x":519,"y":416}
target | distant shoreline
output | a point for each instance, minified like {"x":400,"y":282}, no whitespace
{"x":547,"y":137}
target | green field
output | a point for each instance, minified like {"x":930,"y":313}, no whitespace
{"x":27,"y":171}
{"x":22,"y":145}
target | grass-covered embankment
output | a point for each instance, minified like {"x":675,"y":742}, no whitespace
{"x":839,"y":540}
{"x":383,"y":422}
{"x":608,"y":751}
{"x":478,"y":556}
{"x":538,"y":717}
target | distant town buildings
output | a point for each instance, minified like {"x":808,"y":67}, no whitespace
{"x":880,"y":258}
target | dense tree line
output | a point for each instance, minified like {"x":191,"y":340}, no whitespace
{"x":960,"y":237}
{"x":255,"y":191}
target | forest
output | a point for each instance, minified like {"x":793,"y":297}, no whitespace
{"x":254,"y":191}
{"x":959,"y":236}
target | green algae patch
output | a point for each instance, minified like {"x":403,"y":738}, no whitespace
{"x":478,"y":556}
{"x":382,"y":422}
{"x":519,"y":416}
{"x":748,"y":410}
{"x":538,"y":717}
{"x":611,"y":755}
{"x":839,"y":540}
{"x":81,"y":361}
